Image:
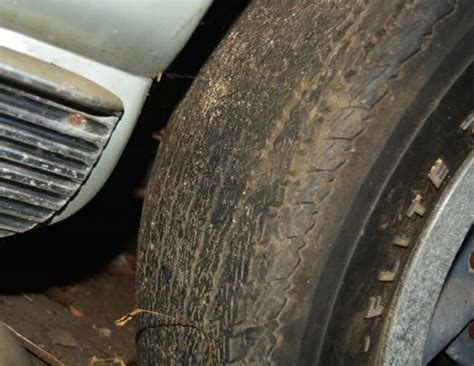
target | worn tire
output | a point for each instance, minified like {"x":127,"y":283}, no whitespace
{"x":287,"y":172}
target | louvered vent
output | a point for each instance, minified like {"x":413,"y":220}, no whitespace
{"x":47,"y":148}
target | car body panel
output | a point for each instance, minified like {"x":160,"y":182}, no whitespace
{"x":140,"y":37}
{"x":120,"y":45}
{"x":131,"y":89}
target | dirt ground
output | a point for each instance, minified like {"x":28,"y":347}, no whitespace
{"x":76,"y":323}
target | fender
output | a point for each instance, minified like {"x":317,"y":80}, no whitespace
{"x":119,"y":46}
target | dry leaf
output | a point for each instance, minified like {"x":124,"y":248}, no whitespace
{"x":78,"y":313}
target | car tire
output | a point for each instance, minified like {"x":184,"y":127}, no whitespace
{"x":297,"y":170}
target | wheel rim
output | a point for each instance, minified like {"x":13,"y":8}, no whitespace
{"x":408,"y":337}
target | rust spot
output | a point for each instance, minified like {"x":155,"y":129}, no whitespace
{"x":77,"y":120}
{"x":470,"y":329}
{"x":471,"y":261}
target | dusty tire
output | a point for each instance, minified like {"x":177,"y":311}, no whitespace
{"x":287,"y":172}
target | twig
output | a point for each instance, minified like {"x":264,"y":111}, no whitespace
{"x":179,"y":321}
{"x":35,"y":349}
{"x":95,"y":360}
{"x":29,"y":299}
{"x":172,"y":75}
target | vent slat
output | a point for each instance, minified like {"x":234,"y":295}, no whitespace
{"x":47,"y":150}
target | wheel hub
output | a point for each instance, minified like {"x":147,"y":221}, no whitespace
{"x":425,"y":304}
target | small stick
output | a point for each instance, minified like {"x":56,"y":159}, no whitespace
{"x":95,"y":360}
{"x":179,"y":321}
{"x":29,"y":299}
{"x":35,"y":349}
